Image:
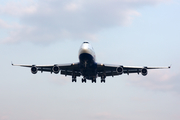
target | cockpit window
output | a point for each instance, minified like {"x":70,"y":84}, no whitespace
{"x":86,"y":42}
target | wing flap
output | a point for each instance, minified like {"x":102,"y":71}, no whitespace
{"x":70,"y":73}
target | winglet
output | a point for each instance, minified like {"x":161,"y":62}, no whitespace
{"x":12,"y":63}
{"x":170,"y":66}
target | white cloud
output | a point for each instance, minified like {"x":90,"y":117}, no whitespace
{"x":4,"y":117}
{"x":18,"y":8}
{"x":72,"y":7}
{"x":4,"y":24}
{"x":52,"y":20}
{"x":158,"y":80}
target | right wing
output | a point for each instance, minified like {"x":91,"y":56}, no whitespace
{"x":66,"y":69}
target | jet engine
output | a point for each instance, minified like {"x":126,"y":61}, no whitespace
{"x":119,"y":70}
{"x":55,"y":69}
{"x":34,"y":69}
{"x":144,"y":72}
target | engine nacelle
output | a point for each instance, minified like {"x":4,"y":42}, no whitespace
{"x":56,"y":69}
{"x":144,"y":72}
{"x":119,"y":70}
{"x":34,"y":69}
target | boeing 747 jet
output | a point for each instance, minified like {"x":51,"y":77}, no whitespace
{"x":88,"y":67}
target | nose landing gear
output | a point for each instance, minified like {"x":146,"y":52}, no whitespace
{"x":94,"y":80}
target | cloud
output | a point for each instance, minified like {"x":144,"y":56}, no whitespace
{"x":107,"y":116}
{"x":158,"y":80}
{"x":53,"y":20}
{"x":140,"y":99}
{"x":4,"y":117}
{"x":18,"y":8}
{"x":4,"y":24}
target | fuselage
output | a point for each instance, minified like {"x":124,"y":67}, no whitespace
{"x":87,"y":64}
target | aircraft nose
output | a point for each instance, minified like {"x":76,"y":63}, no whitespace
{"x":84,"y":49}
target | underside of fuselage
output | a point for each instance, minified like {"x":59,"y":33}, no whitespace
{"x":88,"y":66}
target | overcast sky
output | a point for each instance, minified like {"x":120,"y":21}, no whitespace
{"x":125,"y":32}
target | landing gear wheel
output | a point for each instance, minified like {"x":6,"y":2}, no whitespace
{"x":94,"y":81}
{"x":83,"y":80}
{"x":73,"y":79}
{"x":102,"y":81}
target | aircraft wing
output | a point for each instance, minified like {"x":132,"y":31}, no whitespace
{"x":102,"y":69}
{"x":112,"y":70}
{"x":66,"y":69}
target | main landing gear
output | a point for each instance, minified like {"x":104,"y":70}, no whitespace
{"x":83,"y":80}
{"x":102,"y":79}
{"x":93,"y":80}
{"x":74,"y":80}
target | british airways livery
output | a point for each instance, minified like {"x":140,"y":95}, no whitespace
{"x":88,"y":67}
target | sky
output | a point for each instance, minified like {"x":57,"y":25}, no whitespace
{"x":124,"y":32}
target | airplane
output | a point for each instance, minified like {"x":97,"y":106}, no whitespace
{"x":88,"y":67}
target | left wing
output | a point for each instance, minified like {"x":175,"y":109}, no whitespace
{"x":66,"y":69}
{"x":112,"y":70}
